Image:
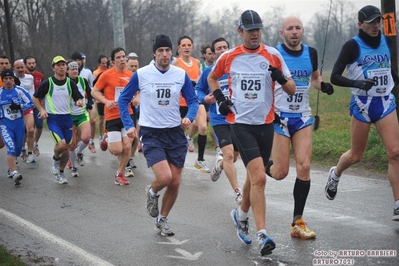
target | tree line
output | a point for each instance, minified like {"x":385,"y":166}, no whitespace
{"x":45,"y":28}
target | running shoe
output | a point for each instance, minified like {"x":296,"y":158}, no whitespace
{"x":23,"y":155}
{"x":201,"y":166}
{"x":55,"y":167}
{"x":132,"y":164}
{"x":190,"y":144}
{"x":74,"y":172}
{"x":163,"y":228}
{"x":395,"y":216}
{"x":242,"y":227}
{"x":17,"y":177}
{"x":331,"y":186}
{"x":30,"y":159}
{"x":92,"y":148}
{"x":238,"y":194}
{"x":69,"y":164}
{"x":61,"y":178}
{"x":104,"y":143}
{"x":36,"y":150}
{"x":80,"y":159}
{"x":121,"y":180}
{"x":9,"y":173}
{"x":266,"y":244}
{"x":217,"y":170}
{"x":299,"y":229}
{"x":129,"y":171}
{"x":152,"y":203}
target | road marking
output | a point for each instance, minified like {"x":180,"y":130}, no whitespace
{"x":186,"y":255}
{"x":173,"y":241}
{"x":41,"y":233}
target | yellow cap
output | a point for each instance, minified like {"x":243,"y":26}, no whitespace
{"x":58,"y":59}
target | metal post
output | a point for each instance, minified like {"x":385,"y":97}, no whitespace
{"x":387,"y":7}
{"x":119,"y":30}
{"x":9,"y":32}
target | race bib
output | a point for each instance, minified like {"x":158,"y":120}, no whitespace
{"x":163,"y":95}
{"x":381,"y":81}
{"x":250,"y":87}
{"x":11,"y":114}
{"x":118,"y":91}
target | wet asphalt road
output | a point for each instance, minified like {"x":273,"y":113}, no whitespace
{"x":91,"y":221}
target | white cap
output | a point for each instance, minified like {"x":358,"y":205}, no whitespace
{"x":133,"y":55}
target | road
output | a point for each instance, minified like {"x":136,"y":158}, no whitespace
{"x":91,"y":221}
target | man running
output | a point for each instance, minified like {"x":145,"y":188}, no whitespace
{"x":161,"y":128}
{"x":254,"y":69}
{"x":112,"y":82}
{"x":58,"y":92}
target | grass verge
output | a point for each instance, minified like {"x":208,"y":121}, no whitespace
{"x":7,"y":259}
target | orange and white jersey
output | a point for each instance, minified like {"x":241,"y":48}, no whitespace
{"x":250,"y":84}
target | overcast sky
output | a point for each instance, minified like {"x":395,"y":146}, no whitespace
{"x":304,"y":9}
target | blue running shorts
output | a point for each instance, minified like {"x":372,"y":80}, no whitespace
{"x":164,"y":144}
{"x":369,"y":109}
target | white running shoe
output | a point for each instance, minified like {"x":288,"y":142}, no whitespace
{"x":201,"y":165}
{"x":74,"y":172}
{"x":80,"y":159}
{"x":217,"y":170}
{"x":61,"y":178}
{"x":30,"y":159}
{"x":55,"y":167}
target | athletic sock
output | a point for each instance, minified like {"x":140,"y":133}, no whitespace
{"x":301,"y":191}
{"x":72,"y":158}
{"x":334,"y":176}
{"x":201,"y":146}
{"x":81,"y":146}
{"x":242,"y":216}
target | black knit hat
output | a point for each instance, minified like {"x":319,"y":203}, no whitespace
{"x":7,"y":73}
{"x":161,"y":40}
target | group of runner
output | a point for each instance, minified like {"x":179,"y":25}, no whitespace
{"x":257,"y":99}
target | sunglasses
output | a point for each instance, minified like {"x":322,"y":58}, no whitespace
{"x":186,"y":45}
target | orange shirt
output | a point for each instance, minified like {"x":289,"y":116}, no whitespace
{"x":97,"y":72}
{"x":113,"y":83}
{"x":192,"y":71}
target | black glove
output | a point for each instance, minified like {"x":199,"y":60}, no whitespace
{"x":327,"y":88}
{"x":277,"y":75}
{"x":89,"y":106}
{"x":277,"y":119}
{"x":14,"y":106}
{"x":364,"y":84}
{"x":223,"y":103}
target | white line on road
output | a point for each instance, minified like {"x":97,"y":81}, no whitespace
{"x":41,"y":233}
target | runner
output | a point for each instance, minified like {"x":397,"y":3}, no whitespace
{"x":295,"y":114}
{"x":26,"y":83}
{"x":14,"y":100}
{"x":161,"y":128}
{"x":112,"y":82}
{"x":254,"y":69}
{"x":192,"y":66}
{"x":38,"y":78}
{"x":221,"y":127}
{"x":58,"y":92}
{"x":80,"y":118}
{"x":371,"y":79}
